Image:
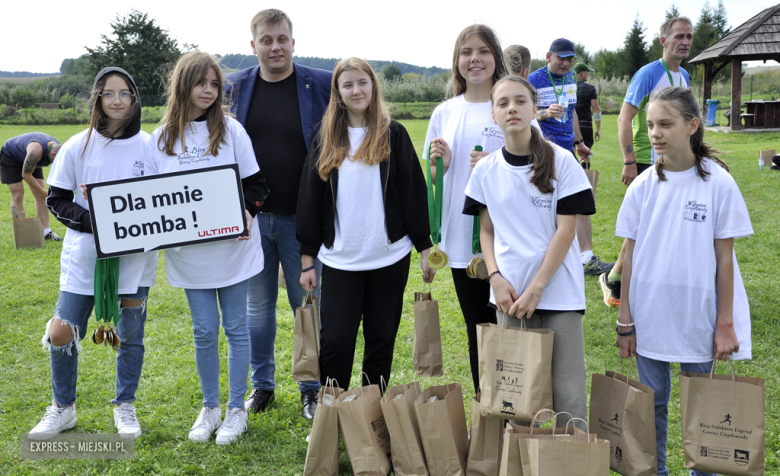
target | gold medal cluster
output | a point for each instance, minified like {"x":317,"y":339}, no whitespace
{"x":437,"y":259}
{"x":477,"y":269}
{"x":106,"y":336}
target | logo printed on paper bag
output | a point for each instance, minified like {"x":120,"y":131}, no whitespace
{"x":741,"y":457}
{"x":618,"y":454}
{"x":615,"y":419}
{"x":499,"y":365}
{"x":508,"y":405}
{"x":727,"y":419}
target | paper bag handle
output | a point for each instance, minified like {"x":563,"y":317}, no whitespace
{"x":623,"y":369}
{"x":533,"y":420}
{"x":367,"y":379}
{"x":571,"y":420}
{"x":731,"y":363}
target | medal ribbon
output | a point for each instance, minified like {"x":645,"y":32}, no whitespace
{"x":435,"y":201}
{"x":107,"y":290}
{"x":476,"y":247}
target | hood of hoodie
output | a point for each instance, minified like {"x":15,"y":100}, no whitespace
{"x":135,"y":125}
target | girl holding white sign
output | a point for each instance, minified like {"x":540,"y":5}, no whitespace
{"x":361,"y":208}
{"x":110,"y":149}
{"x":197,"y":134}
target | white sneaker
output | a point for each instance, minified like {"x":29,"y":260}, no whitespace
{"x":126,"y":422}
{"x":208,"y":421}
{"x":233,"y":426}
{"x":53,"y":422}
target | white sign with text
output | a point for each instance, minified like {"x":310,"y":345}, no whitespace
{"x":167,"y":210}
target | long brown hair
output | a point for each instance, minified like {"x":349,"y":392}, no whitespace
{"x":189,"y":71}
{"x":684,"y":101}
{"x":542,"y":153}
{"x":334,"y":133}
{"x":99,"y":121}
{"x":457,"y":83}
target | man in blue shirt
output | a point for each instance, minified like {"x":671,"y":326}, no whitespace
{"x":280,"y":104}
{"x":556,"y":86}
{"x":21,"y":160}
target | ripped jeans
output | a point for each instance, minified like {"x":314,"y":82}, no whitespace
{"x":75,"y":310}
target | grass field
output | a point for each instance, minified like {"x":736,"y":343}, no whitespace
{"x":169,"y":397}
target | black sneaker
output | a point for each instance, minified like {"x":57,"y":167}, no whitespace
{"x":309,"y":400}
{"x":259,"y":400}
{"x":51,"y":236}
{"x":595,"y":267}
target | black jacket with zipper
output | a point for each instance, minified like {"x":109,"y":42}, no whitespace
{"x":404,"y":191}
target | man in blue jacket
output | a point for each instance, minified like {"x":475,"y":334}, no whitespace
{"x":280,"y":104}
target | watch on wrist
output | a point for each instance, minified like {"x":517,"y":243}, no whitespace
{"x":578,"y":142}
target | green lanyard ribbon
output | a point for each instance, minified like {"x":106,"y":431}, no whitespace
{"x":563,"y":86}
{"x":107,"y":290}
{"x":476,"y":247}
{"x":668,"y":73}
{"x":435,"y":201}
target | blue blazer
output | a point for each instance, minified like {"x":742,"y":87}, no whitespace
{"x":313,"y":95}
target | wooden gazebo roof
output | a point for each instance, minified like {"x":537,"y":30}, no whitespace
{"x":756,"y":39}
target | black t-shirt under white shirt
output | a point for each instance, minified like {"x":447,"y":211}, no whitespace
{"x":273,"y":122}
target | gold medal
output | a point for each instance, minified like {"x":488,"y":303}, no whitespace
{"x":482,"y":271}
{"x":437,"y":259}
{"x":471,"y":269}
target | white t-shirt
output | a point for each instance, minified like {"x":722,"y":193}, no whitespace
{"x":103,"y":160}
{"x":462,"y":125}
{"x":361,"y":242}
{"x":673,"y":295}
{"x":220,"y":263}
{"x":525,"y":220}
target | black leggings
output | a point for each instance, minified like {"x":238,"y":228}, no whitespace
{"x":377,"y":297}
{"x":473,"y":296}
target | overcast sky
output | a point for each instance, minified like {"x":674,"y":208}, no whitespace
{"x":37,"y":35}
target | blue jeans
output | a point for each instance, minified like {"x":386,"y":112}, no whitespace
{"x":279,"y":245}
{"x":657,"y":375}
{"x":205,"y":330}
{"x":74,"y":310}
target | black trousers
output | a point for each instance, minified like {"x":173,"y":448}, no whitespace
{"x":474,"y":297}
{"x":376,"y":296}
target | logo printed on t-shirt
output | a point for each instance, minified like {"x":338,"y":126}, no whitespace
{"x":193,"y":156}
{"x":695,"y":211}
{"x":491,"y":131}
{"x":138,"y":168}
{"x":541,"y":202}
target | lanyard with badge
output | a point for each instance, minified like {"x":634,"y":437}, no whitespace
{"x":669,"y":74}
{"x":563,"y":85}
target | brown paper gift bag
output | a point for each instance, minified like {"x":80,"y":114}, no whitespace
{"x":306,"y":341}
{"x":401,"y":418}
{"x":723,"y":422}
{"x":28,"y":232}
{"x":583,"y":455}
{"x":364,"y":431}
{"x":511,"y":464}
{"x":515,"y":370}
{"x":593,"y":177}
{"x":427,"y":336}
{"x":622,"y":410}
{"x":322,"y":455}
{"x":443,"y":429}
{"x":487,"y":435}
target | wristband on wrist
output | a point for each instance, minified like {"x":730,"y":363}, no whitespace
{"x":629,"y":163}
{"x":625,"y":334}
{"x":496,"y":272}
{"x":620,"y":324}
{"x":307,"y":269}
{"x":578,"y":142}
{"x":596,"y":116}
